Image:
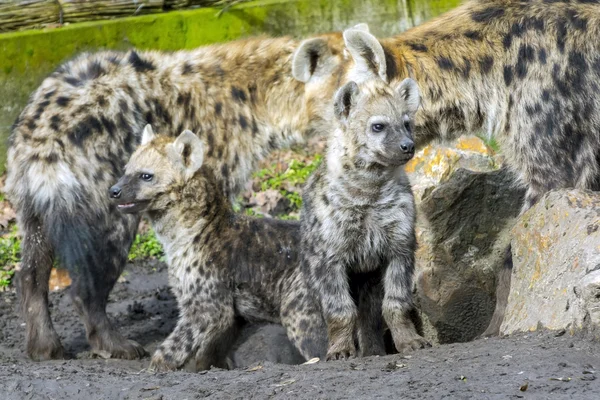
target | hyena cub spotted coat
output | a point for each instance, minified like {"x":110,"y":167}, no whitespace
{"x":358,"y":215}
{"x":221,"y":265}
{"x":525,"y":72}
{"x":70,"y":143}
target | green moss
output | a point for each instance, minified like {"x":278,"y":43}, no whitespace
{"x":10,"y":255}
{"x":146,"y":246}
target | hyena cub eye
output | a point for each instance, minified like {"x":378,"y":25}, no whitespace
{"x":146,"y":176}
{"x":377,"y":127}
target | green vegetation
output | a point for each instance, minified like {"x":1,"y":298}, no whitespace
{"x":145,"y":246}
{"x":489,"y":141}
{"x":10,"y":255}
{"x":294,"y":176}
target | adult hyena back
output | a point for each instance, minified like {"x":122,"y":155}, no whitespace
{"x":527,"y":73}
{"x":72,"y":140}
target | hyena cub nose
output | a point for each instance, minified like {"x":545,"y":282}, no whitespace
{"x":408,"y":146}
{"x":115,"y":192}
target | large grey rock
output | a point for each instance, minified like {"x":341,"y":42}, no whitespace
{"x":466,"y":207}
{"x":464,"y":229}
{"x":556,"y":258}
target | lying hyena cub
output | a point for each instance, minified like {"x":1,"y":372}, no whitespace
{"x":358,"y":236}
{"x":221,"y":265}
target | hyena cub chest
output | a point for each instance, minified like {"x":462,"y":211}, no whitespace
{"x":366,"y":229}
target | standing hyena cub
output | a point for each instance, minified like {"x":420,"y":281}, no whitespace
{"x":221,"y":265}
{"x":358,"y":237}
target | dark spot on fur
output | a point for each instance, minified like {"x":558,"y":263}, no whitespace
{"x":445,"y":63}
{"x":225,"y":171}
{"x":31,"y":125}
{"x":243,"y":122}
{"x":507,"y":41}
{"x":533,"y":110}
{"x":473,"y":35}
{"x":63,"y":101}
{"x":254,"y":127}
{"x":487,"y":14}
{"x":390,"y":62}
{"x":161,"y":112}
{"x":466,"y":69}
{"x":508,"y":75}
{"x":545,"y":95}
{"x":418,"y":47}
{"x":486,"y":64}
{"x":52,"y":158}
{"x":94,"y":71}
{"x":140,"y":64}
{"x":55,"y":121}
{"x":186,"y":69}
{"x":71,"y":80}
{"x":218,"y":107}
{"x":577,"y":21}
{"x":542,"y":55}
{"x":84,"y":130}
{"x":238,"y":94}
{"x":561,"y":34}
{"x":123,"y":106}
{"x":101,"y":101}
{"x":109,"y":125}
{"x":210,"y":142}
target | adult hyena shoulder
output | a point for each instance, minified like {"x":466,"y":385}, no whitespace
{"x":358,"y":216}
{"x":221,"y":265}
{"x":526,"y":72}
{"x":72,"y":140}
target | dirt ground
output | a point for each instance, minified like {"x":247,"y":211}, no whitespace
{"x":544,"y":365}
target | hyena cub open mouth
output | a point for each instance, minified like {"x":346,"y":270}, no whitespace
{"x":358,"y":216}
{"x":222,"y":265}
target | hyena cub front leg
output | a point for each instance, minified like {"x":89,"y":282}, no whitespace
{"x":330,"y":281}
{"x":397,"y":304}
{"x":202,"y":327}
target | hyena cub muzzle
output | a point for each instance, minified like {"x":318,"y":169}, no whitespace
{"x":221,"y":265}
{"x":358,"y":216}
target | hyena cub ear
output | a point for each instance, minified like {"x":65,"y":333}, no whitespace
{"x":312,"y":59}
{"x":408,"y":91}
{"x":367,"y":53}
{"x":147,"y":134}
{"x":345,"y":99}
{"x":188,"y":151}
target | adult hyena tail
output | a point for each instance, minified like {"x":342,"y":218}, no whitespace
{"x":64,"y":154}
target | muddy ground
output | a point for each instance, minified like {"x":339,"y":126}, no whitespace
{"x":549,"y":365}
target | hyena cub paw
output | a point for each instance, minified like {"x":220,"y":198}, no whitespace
{"x":341,"y":349}
{"x":408,"y":340}
{"x":117,"y":345}
{"x":159,"y":363}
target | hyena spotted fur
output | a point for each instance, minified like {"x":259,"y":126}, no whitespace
{"x":71,"y":141}
{"x":525,"y":72}
{"x":358,"y":216}
{"x":221,"y":265}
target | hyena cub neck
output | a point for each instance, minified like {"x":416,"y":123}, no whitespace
{"x":358,"y":220}
{"x":221,"y":265}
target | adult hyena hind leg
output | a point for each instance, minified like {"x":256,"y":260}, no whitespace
{"x":92,"y":286}
{"x":42,"y":341}
{"x":369,"y":294}
{"x":304,"y":324}
{"x":503,"y":279}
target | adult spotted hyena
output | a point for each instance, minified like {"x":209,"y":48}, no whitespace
{"x":526,"y":72}
{"x":72,"y":140}
{"x":358,"y":216}
{"x":222,"y":265}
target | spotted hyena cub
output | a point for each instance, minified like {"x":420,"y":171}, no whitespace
{"x":358,"y":236}
{"x":222,"y":265}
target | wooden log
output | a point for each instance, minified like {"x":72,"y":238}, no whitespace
{"x":91,"y":10}
{"x":27,"y":14}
